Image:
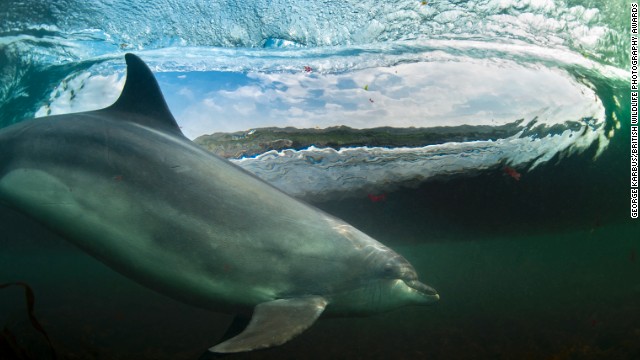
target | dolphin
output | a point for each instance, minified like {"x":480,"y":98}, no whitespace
{"x":126,"y":186}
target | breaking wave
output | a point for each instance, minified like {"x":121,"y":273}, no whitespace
{"x":554,"y":69}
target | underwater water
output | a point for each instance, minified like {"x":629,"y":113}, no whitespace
{"x":487,"y":142}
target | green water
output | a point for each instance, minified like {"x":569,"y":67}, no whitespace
{"x":564,"y":296}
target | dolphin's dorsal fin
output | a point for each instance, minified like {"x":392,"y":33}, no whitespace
{"x":274,"y":323}
{"x":142,"y":99}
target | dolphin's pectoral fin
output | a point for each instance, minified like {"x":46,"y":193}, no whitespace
{"x":274,"y":323}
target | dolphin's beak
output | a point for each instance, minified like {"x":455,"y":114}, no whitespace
{"x":430,"y":294}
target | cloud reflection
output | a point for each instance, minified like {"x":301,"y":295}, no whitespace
{"x":421,"y":94}
{"x":418,"y":95}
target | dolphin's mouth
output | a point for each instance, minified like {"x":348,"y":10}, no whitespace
{"x":427,"y":291}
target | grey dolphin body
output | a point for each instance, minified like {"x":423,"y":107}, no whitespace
{"x":126,"y":186}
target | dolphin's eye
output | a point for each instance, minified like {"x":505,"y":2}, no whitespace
{"x":388,"y":270}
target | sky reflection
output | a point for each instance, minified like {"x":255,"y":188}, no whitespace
{"x":422,"y":94}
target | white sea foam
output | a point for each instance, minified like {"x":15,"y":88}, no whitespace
{"x":323,"y":174}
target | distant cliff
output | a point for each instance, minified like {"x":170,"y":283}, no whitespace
{"x":257,"y":141}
